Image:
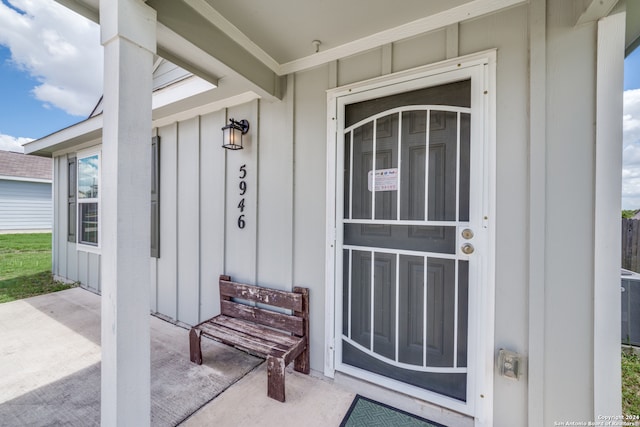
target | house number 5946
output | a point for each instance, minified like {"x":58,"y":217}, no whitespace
{"x":243,"y":190}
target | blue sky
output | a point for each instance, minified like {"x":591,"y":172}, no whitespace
{"x":21,"y":114}
{"x":632,"y":71}
{"x":50,"y":69}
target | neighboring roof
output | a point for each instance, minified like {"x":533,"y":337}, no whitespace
{"x":17,"y":165}
{"x":175,"y":90}
{"x":165,"y":74}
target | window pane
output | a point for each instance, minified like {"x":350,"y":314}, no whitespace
{"x":72,"y":180}
{"x":89,"y":223}
{"x":88,"y":177}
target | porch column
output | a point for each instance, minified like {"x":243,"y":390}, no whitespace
{"x":128,"y":34}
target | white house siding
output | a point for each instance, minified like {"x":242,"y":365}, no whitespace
{"x":283,"y":242}
{"x":25,"y":205}
{"x":508,"y":32}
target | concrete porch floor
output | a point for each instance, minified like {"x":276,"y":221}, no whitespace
{"x":50,"y":338}
{"x":310,"y":401}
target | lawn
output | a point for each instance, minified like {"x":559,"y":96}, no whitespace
{"x":25,"y":266}
{"x":630,"y":383}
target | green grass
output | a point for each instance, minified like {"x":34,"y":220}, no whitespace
{"x":25,"y":266}
{"x":630,"y":383}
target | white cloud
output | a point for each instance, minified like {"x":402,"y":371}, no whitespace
{"x":631,"y":117}
{"x":631,"y":153}
{"x":11,"y":143}
{"x":60,"y":49}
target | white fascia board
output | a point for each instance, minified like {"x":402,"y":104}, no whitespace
{"x":595,"y":10}
{"x":183,"y":89}
{"x":461,"y":13}
{"x":24,"y":179}
{"x":75,"y":134}
{"x":83,"y":8}
{"x":240,"y":99}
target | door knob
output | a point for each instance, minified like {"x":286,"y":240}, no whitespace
{"x":467,"y":248}
{"x":467,"y":233}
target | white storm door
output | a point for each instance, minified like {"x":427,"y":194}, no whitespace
{"x":410,"y":239}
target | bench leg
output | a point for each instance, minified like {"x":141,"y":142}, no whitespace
{"x":195,"y":351}
{"x":275,"y":378}
{"x":301,"y":363}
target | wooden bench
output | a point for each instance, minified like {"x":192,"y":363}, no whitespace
{"x":264,"y":332}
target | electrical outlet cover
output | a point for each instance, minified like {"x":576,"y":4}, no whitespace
{"x":509,"y":364}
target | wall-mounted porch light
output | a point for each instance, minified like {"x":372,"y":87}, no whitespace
{"x":232,"y":134}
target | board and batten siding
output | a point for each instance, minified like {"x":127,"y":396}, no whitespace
{"x":25,"y":205}
{"x":283,"y":242}
{"x":199,"y":197}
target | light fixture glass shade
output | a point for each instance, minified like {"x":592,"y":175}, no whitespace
{"x":232,"y":134}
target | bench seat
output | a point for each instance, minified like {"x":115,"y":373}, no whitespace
{"x":278,"y":337}
{"x":253,"y":339}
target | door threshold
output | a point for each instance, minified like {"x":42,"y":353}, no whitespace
{"x":409,"y":404}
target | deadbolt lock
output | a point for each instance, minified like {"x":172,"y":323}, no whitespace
{"x":467,"y":233}
{"x":467,"y":248}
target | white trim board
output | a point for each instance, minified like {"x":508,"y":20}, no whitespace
{"x":440,"y":20}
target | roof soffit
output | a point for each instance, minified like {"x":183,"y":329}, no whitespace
{"x":263,"y":40}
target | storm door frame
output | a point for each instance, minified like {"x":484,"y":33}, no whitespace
{"x":480,"y":68}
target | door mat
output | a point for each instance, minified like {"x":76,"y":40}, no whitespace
{"x":369,"y":413}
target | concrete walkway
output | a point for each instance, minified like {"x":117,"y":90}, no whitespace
{"x":50,"y":370}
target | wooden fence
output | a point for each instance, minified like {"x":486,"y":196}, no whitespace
{"x":630,"y":243}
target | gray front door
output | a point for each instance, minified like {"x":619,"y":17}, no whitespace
{"x":407,"y":237}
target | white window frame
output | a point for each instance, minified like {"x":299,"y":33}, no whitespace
{"x":86,"y":247}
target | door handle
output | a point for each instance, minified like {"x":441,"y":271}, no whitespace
{"x":467,"y":248}
{"x":467,"y":233}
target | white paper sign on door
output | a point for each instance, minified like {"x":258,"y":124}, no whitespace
{"x":386,"y":180}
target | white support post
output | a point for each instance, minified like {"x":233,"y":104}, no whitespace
{"x":606,"y":257}
{"x":128,"y":32}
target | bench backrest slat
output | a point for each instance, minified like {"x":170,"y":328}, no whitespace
{"x":281,"y":321}
{"x":295,"y":323}
{"x":273,"y":297}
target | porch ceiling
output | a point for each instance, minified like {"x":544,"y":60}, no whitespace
{"x":255,"y":42}
{"x":260,"y":41}
{"x":285,"y":29}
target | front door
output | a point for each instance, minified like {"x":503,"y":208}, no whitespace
{"x":410,"y":226}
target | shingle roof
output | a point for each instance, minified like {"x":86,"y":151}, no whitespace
{"x":25,"y":166}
